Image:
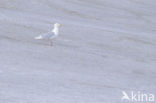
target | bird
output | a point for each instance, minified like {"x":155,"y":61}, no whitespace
{"x":50,"y":35}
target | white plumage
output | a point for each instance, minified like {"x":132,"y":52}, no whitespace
{"x":52,"y":34}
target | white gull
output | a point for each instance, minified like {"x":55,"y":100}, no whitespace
{"x":50,"y":35}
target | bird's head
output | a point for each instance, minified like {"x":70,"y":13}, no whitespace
{"x":57,"y":25}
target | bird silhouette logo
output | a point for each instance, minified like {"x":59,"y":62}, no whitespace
{"x":125,"y":96}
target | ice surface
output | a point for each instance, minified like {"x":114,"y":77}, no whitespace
{"x":104,"y":47}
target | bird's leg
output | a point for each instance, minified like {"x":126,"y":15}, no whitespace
{"x":51,"y":43}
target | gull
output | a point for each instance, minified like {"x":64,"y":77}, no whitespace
{"x":50,"y":35}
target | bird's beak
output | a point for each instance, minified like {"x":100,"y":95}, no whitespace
{"x":60,"y":25}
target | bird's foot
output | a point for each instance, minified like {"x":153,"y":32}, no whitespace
{"x":51,"y":43}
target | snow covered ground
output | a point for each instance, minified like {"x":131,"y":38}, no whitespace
{"x":105,"y":47}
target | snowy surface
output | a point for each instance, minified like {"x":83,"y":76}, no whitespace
{"x":104,"y":47}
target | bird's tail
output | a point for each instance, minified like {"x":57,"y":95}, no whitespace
{"x":38,"y":37}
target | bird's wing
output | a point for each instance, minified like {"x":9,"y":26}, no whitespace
{"x":48,"y":35}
